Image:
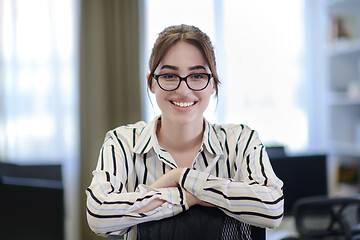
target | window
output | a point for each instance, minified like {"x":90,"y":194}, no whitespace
{"x":260,"y":49}
{"x":264,"y":43}
{"x":38,"y":90}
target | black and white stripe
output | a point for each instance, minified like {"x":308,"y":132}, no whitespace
{"x":231,"y":171}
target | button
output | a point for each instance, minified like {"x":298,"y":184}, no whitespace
{"x":169,"y":205}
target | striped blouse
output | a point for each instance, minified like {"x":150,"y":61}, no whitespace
{"x":231,"y":171}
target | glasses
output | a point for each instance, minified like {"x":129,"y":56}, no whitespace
{"x":171,"y":82}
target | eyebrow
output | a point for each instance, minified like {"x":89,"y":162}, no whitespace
{"x":197,"y":67}
{"x":176,"y":68}
{"x":169,"y":67}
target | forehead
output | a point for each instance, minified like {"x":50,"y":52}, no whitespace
{"x":183,"y":53}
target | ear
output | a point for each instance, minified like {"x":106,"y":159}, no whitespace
{"x":152,"y":83}
{"x":213,"y":90}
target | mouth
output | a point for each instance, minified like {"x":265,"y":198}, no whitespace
{"x":183,"y":104}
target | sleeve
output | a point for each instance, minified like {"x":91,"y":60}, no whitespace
{"x":253,"y":196}
{"x":111,"y":206}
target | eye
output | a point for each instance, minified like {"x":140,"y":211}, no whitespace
{"x":198,"y":76}
{"x":169,"y":76}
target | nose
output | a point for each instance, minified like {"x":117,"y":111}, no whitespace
{"x":183,"y":88}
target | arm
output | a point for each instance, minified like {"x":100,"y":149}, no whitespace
{"x":253,"y":194}
{"x":169,"y":179}
{"x":255,"y":204}
{"x":255,"y":201}
{"x":113,"y":209}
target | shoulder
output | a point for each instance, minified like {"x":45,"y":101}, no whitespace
{"x":235,"y":130}
{"x":236,"y":134}
{"x":236,"y":139}
{"x":125,"y":133}
{"x":138,"y":126}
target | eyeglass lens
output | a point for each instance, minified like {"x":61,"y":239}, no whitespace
{"x":196,"y":81}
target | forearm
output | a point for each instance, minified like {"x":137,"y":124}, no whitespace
{"x":256,"y":204}
{"x":154,"y":204}
{"x":171,"y":179}
{"x":115,"y":212}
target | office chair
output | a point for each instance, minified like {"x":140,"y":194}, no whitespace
{"x":200,"y":223}
{"x":328,"y":218}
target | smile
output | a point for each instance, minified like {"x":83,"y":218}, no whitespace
{"x":183,"y":104}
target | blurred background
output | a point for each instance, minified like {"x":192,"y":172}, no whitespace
{"x":70,"y":70}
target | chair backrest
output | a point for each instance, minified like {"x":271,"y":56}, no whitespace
{"x":319,"y":217}
{"x":200,"y":223}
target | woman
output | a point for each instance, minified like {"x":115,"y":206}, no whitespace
{"x":153,"y":171}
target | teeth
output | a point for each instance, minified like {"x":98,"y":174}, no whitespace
{"x":182,"y":104}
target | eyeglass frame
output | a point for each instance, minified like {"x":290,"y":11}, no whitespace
{"x":209,"y":75}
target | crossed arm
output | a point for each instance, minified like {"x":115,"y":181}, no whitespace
{"x":253,"y":195}
{"x":170,"y":179}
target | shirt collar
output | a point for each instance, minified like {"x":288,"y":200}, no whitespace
{"x":147,"y":139}
{"x":211,"y":140}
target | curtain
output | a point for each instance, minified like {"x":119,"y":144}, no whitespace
{"x":109,"y":80}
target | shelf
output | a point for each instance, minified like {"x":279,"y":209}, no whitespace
{"x":344,"y":47}
{"x":341,"y":56}
{"x":344,"y":190}
{"x":345,"y":149}
{"x":341,"y":3}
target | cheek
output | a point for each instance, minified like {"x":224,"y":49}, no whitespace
{"x":160,"y":96}
{"x":205,"y":97}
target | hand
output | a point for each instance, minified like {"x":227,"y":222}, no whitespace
{"x":205,"y":204}
{"x":191,"y":199}
{"x":169,"y":179}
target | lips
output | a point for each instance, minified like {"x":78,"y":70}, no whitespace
{"x":183,"y":104}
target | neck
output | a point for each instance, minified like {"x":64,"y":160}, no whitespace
{"x":175,"y":137}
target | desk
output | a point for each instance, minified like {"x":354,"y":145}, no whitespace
{"x":287,"y":228}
